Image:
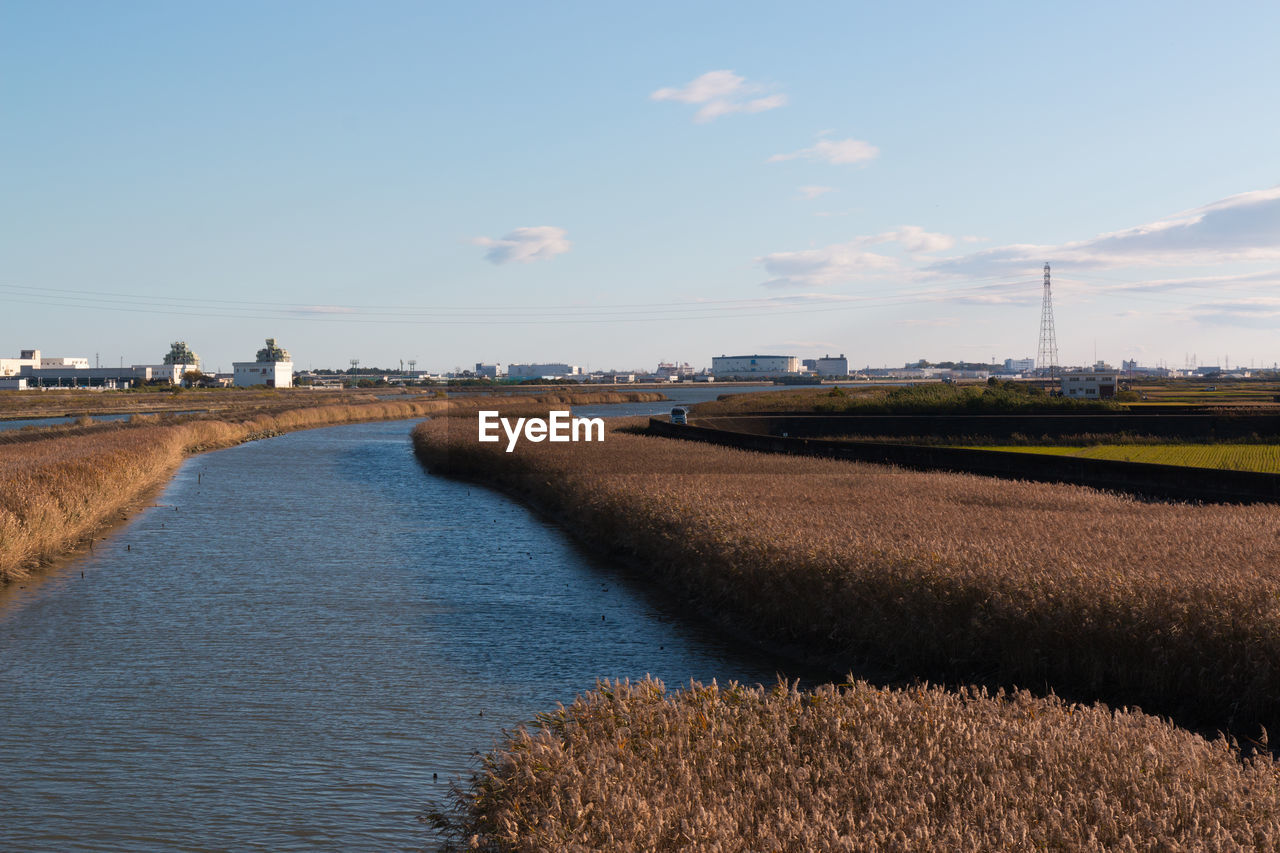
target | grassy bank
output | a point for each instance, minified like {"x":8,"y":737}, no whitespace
{"x":1232,"y":457}
{"x":632,"y":767}
{"x":931,"y":399}
{"x":56,"y":491}
{"x":1170,"y":606}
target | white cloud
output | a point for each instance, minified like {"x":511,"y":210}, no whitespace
{"x":838,"y":152}
{"x":1244,"y":227}
{"x":844,"y":261}
{"x":721,"y":93}
{"x":523,"y":245}
{"x":812,"y":192}
{"x":823,"y":267}
{"x":915,"y":239}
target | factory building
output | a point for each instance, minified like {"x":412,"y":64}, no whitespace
{"x":674,"y":372}
{"x":828,"y":366}
{"x":28,"y":358}
{"x":1019,"y":365}
{"x":754,"y":366}
{"x":33,"y":370}
{"x":551,"y":370}
{"x":87,"y":377}
{"x":490,"y":371}
{"x":272,"y":368}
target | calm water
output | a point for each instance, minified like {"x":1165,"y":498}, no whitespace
{"x":282,"y":652}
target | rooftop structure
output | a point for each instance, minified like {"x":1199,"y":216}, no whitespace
{"x":271,"y":352}
{"x":180,"y":353}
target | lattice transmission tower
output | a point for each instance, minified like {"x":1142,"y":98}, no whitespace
{"x":1047,"y":360}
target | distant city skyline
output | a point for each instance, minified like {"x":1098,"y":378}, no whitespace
{"x":614,"y":187}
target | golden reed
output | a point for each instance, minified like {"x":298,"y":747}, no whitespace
{"x":56,"y":491}
{"x":632,"y":767}
{"x":1174,"y":607}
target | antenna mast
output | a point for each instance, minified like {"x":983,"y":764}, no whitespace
{"x":1047,"y":360}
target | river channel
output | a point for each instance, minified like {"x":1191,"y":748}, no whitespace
{"x":298,"y":646}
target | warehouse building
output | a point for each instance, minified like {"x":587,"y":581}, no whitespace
{"x":754,"y":366}
{"x":828,"y":366}
{"x":550,"y":370}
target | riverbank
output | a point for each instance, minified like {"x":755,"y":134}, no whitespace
{"x":944,"y":576}
{"x":856,"y":767}
{"x":55,"y":492}
{"x":1172,"y":607}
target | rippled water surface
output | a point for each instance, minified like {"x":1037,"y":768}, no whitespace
{"x":283,"y":652}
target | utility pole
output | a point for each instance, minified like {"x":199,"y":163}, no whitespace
{"x":1048,"y":356}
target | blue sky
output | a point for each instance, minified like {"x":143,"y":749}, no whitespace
{"x":613,"y":184}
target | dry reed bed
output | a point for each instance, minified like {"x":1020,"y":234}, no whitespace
{"x":953,"y":577}
{"x":853,"y":767}
{"x":57,"y":491}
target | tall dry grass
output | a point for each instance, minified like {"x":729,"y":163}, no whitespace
{"x":56,"y":491}
{"x":630,"y":767}
{"x":953,"y":577}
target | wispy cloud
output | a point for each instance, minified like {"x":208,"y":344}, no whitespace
{"x":1244,"y":227}
{"x":524,"y":245}
{"x":1242,"y":311}
{"x":823,"y":267}
{"x":812,"y":192}
{"x":719,"y":93}
{"x":838,"y":152}
{"x":843,"y":262}
{"x":915,"y":239}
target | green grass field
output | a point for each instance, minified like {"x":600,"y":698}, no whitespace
{"x":1232,"y":457}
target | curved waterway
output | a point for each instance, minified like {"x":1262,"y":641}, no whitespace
{"x":299,"y":646}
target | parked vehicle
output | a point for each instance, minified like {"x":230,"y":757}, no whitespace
{"x":680,"y":415}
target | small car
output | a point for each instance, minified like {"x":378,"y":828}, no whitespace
{"x":680,"y":415}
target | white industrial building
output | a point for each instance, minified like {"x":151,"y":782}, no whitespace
{"x":550,"y":370}
{"x":172,"y":373}
{"x":754,"y":366}
{"x":1020,"y":365}
{"x":28,"y":358}
{"x":1090,"y":386}
{"x":273,"y":368}
{"x":490,"y":371}
{"x":828,"y":366}
{"x":47,"y":363}
{"x":47,"y":371}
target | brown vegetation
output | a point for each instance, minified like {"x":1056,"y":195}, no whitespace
{"x":954,"y":577}
{"x":57,"y":490}
{"x":631,"y":767}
